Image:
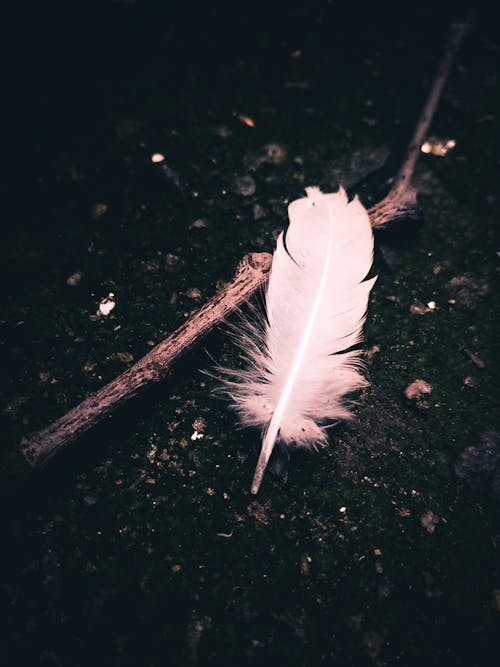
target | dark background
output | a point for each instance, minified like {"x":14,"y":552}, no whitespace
{"x":141,"y":546}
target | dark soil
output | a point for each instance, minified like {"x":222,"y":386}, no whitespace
{"x":141,"y":544}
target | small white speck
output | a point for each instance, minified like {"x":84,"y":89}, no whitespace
{"x":157,"y":157}
{"x":107,"y":304}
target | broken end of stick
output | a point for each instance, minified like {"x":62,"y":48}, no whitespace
{"x":254,"y":261}
{"x":397,"y":206}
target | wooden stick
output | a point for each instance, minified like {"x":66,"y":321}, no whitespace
{"x":251,"y":274}
{"x":402,"y":199}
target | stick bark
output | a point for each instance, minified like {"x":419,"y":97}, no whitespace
{"x":252,"y":273}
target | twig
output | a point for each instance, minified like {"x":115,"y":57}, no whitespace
{"x":251,"y":274}
{"x":402,"y":199}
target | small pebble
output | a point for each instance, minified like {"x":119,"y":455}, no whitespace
{"x":172,"y":262}
{"x":429,"y":521}
{"x":193,"y":293}
{"x":244,"y":185}
{"x":258,"y":212}
{"x":74,"y":279}
{"x":274,"y":153}
{"x":99,"y":209}
{"x":419,"y":308}
{"x":199,"y":224}
{"x":417,"y":389}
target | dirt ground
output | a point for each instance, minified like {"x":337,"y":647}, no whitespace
{"x":141,"y":544}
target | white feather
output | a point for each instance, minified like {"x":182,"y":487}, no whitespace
{"x":298,"y":372}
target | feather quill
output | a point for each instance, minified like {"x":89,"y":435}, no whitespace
{"x":299,"y":367}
